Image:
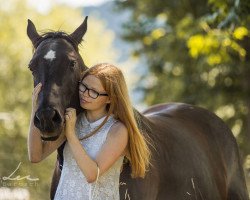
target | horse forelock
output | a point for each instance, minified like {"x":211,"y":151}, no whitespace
{"x":57,"y":35}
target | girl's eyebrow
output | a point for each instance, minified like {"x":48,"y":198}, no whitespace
{"x":88,"y":86}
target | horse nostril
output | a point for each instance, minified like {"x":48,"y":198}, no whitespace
{"x":37,"y":116}
{"x":37,"y":119}
{"x":47,"y":120}
{"x":46,"y":116}
{"x":57,"y":118}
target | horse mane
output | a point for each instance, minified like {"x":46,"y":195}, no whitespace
{"x":145,"y":126}
{"x":57,"y":34}
{"x":142,"y":122}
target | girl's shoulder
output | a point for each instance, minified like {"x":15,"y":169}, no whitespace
{"x":118,"y":131}
{"x":118,"y":128}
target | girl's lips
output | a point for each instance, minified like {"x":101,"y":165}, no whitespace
{"x":84,"y":101}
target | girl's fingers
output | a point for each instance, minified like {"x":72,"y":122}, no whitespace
{"x":35,"y":93}
{"x":66,"y":117}
{"x":69,"y":113}
{"x":38,"y":86}
{"x":70,"y":109}
{"x":37,"y":89}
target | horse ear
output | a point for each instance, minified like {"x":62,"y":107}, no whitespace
{"x":32,"y":33}
{"x":78,"y":34}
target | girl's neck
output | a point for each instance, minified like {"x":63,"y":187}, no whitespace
{"x":94,"y":115}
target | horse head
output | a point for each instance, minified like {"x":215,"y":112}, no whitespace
{"x":57,"y":64}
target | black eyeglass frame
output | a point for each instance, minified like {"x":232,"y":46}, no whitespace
{"x":86,"y":88}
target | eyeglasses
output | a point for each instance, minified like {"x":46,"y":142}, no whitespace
{"x":92,"y":93}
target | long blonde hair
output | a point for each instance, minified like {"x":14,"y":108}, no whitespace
{"x":120,"y":106}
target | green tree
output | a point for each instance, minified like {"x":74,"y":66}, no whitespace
{"x":197,"y":52}
{"x":16,"y":84}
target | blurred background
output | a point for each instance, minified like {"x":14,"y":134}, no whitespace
{"x":190,"y":51}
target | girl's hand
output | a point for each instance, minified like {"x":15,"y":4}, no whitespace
{"x":35,"y":93}
{"x":70,"y":119}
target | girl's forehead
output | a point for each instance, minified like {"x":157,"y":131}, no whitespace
{"x":93,"y":82}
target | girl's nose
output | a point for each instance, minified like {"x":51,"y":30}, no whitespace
{"x":86,"y":93}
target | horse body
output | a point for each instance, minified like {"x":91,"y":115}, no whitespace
{"x":195,"y":157}
{"x":194,"y":154}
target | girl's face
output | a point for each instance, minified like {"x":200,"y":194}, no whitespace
{"x":92,"y":94}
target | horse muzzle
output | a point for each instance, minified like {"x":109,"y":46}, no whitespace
{"x":49,"y":122}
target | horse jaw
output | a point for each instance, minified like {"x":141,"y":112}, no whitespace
{"x":45,"y":136}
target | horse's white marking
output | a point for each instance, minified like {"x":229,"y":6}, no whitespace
{"x":51,"y":55}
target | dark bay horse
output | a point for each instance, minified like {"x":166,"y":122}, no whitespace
{"x":194,"y":154}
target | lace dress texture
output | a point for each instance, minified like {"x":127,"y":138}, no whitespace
{"x":73,"y":184}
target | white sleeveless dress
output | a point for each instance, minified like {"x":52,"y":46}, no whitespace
{"x":73,"y":184}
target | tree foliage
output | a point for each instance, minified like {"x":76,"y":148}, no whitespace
{"x":197,"y":52}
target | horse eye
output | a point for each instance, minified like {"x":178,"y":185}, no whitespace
{"x":72,"y":63}
{"x":31,"y":67}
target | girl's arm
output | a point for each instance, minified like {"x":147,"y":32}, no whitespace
{"x":37,"y":148}
{"x":112,"y":149}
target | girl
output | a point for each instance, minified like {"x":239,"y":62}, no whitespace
{"x":98,"y":139}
